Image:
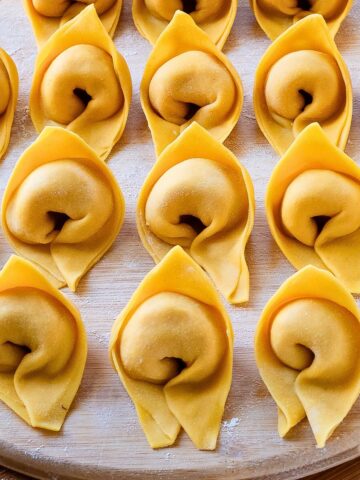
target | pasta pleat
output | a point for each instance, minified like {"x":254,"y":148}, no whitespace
{"x":62,"y":207}
{"x":302,"y":79}
{"x":82,"y":83}
{"x":42,"y":346}
{"x":47,"y":16}
{"x":9,"y":86}
{"x":312,"y":207}
{"x":307,"y":351}
{"x":173,"y":91}
{"x":276,"y":16}
{"x":172,"y":347}
{"x":216,"y":18}
{"x":200,"y":197}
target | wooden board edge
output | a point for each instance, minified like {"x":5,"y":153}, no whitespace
{"x":43,"y":469}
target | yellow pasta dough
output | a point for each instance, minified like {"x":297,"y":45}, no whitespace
{"x":307,"y":351}
{"x":172,"y":347}
{"x":9,"y":86}
{"x":312,"y":206}
{"x":173,"y":91}
{"x":275,"y":16}
{"x":42,"y":346}
{"x":215,"y":17}
{"x":200,"y":197}
{"x":46,"y":16}
{"x":82,"y":83}
{"x":62,"y":208}
{"x":302,"y":79}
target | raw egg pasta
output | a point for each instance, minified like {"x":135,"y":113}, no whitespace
{"x":47,"y":16}
{"x":172,"y":347}
{"x":307,"y":351}
{"x":276,"y":16}
{"x":62,"y":207}
{"x":312,"y":207}
{"x":200,"y":197}
{"x":9,"y":86}
{"x":82,"y":83}
{"x":39,"y":377}
{"x":173,"y":91}
{"x":215,"y":17}
{"x":302,"y":79}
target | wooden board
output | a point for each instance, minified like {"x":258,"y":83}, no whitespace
{"x":101,"y":438}
{"x":345,"y":471}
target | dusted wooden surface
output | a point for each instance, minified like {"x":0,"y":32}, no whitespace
{"x":101,"y":438}
{"x":347,"y":471}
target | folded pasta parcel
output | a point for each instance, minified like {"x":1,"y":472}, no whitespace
{"x":42,"y":346}
{"x":47,"y":16}
{"x":215,"y":17}
{"x":9,"y":86}
{"x":200,"y":197}
{"x":312,"y":206}
{"x":276,"y":16}
{"x":82,"y":83}
{"x":302,"y":78}
{"x":62,"y":208}
{"x":187,"y":78}
{"x":307,"y":351}
{"x":172,"y":347}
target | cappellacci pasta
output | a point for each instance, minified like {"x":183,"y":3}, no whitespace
{"x":62,"y":208}
{"x":82,"y":83}
{"x":312,"y":204}
{"x":173,"y":91}
{"x":47,"y":16}
{"x":9,"y":86}
{"x":215,"y":17}
{"x":307,"y":351}
{"x":275,"y":16}
{"x":302,"y":79}
{"x":200,"y":197}
{"x":173,"y":333}
{"x":43,"y":346}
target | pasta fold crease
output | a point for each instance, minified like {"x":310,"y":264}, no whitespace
{"x":312,"y":207}
{"x":43,"y":346}
{"x":62,"y":208}
{"x":302,"y":78}
{"x":82,"y":83}
{"x":172,"y":347}
{"x":200,"y":197}
{"x":306,"y":344}
{"x":173,"y":91}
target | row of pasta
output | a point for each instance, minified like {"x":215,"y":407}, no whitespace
{"x":62,"y":209}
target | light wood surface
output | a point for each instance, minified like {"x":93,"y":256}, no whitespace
{"x":346,"y":471}
{"x":101,"y":438}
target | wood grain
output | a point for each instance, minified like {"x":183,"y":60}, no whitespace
{"x":101,"y":438}
{"x":347,"y":471}
{"x":6,"y":474}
